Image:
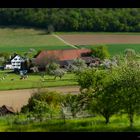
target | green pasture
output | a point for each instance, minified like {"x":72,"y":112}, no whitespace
{"x":115,"y":48}
{"x":13,"y":81}
{"x":92,"y":124}
{"x":21,"y":40}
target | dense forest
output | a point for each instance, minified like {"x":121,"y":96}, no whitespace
{"x":74,"y":19}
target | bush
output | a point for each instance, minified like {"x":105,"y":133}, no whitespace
{"x":43,"y":103}
{"x":100,"y":52}
{"x":50,"y":29}
{"x":71,"y":103}
{"x":58,"y":73}
{"x":77,"y":66}
{"x":51,"y":67}
{"x":79,"y":62}
{"x":130,"y":53}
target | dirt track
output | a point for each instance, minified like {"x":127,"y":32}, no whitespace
{"x":77,"y":39}
{"x":18,"y":98}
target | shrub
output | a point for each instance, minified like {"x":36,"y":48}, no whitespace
{"x":100,"y":52}
{"x":51,"y":67}
{"x":79,"y":62}
{"x":130,"y":55}
{"x":77,"y":65}
{"x":50,"y":29}
{"x":129,"y":52}
{"x":58,"y":73}
{"x":71,"y":103}
{"x":45,"y":102}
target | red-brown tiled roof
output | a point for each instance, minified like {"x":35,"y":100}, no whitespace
{"x":62,"y":55}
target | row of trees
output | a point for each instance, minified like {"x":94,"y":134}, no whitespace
{"x":113,"y":91}
{"x":74,"y":19}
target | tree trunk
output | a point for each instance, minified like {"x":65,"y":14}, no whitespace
{"x":64,"y":119}
{"x":131,"y":120}
{"x":73,"y":115}
{"x":51,"y":116}
{"x":107,"y":120}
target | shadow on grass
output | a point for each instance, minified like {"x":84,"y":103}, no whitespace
{"x":44,"y":33}
{"x":57,"y":80}
{"x":74,"y":125}
{"x":133,"y":129}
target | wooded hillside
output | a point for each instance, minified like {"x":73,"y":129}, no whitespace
{"x":74,"y":19}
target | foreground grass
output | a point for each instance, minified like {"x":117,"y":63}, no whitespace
{"x":94,"y":124}
{"x":115,"y":49}
{"x":34,"y":81}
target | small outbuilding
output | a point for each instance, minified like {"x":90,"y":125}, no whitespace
{"x":5,"y":110}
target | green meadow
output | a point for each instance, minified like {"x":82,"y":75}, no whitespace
{"x":21,"y":40}
{"x":92,"y":124}
{"x":13,"y":81}
{"x":115,"y":49}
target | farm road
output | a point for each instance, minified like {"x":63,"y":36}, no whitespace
{"x":69,"y":44}
{"x":18,"y":98}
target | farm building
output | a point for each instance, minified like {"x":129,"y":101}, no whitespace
{"x":63,"y":57}
{"x":4,"y":110}
{"x":15,"y":62}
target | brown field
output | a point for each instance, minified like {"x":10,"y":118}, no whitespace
{"x":18,"y":98}
{"x":77,"y":39}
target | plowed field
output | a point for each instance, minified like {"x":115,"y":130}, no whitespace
{"x":81,"y":39}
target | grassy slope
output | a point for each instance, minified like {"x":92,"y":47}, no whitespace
{"x":95,"y":124}
{"x":19,"y":40}
{"x":34,"y":81}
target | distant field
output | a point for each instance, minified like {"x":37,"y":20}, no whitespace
{"x":93,"y":39}
{"x":106,"y":33}
{"x":116,"y":48}
{"x":116,"y":42}
{"x":21,"y":40}
{"x":34,"y":81}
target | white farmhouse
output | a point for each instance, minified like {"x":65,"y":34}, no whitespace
{"x":16,"y":62}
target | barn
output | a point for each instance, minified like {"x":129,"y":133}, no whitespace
{"x":63,"y":57}
{"x":4,"y":110}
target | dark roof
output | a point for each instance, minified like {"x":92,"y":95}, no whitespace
{"x":10,"y":109}
{"x":65,"y":62}
{"x":16,"y":55}
{"x":6,"y":110}
{"x":87,"y":59}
